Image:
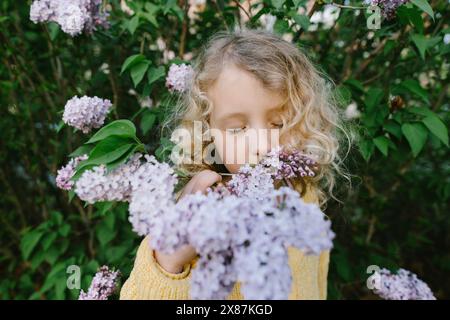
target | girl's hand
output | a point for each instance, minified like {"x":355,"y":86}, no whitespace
{"x":175,"y":262}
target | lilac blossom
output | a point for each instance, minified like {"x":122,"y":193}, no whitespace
{"x":153,"y":184}
{"x":279,"y":164}
{"x":404,"y":285}
{"x":290,"y":163}
{"x":97,"y":184}
{"x":86,"y":113}
{"x":178,"y":77}
{"x":241,"y":231}
{"x":102,"y":286}
{"x":73,"y":16}
{"x":65,"y":174}
{"x":388,"y":7}
{"x":242,"y":238}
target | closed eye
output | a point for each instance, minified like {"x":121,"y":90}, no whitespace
{"x":236,"y":130}
{"x":277,"y":125}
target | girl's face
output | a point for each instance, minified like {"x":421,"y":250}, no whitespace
{"x":245,"y":119}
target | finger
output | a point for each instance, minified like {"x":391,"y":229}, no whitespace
{"x":207,"y":180}
{"x":188,"y":188}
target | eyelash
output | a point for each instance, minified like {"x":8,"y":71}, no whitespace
{"x":279,"y":125}
{"x":238,"y":130}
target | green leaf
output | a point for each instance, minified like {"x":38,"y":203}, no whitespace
{"x":71,"y":192}
{"x":414,"y":87}
{"x":302,"y":20}
{"x":437,"y":127}
{"x":60,"y":126}
{"x":117,"y":253}
{"x":29,"y":242}
{"x":421,"y":111}
{"x":424,"y":43}
{"x":169,"y":5}
{"x":133,"y":24}
{"x":108,"y":150}
{"x":356,"y":84}
{"x":131,"y":61}
{"x":112,"y":165}
{"x":147,"y":122}
{"x":64,"y":230}
{"x":138,"y":71}
{"x":390,"y":44}
{"x":281,"y":26}
{"x":150,"y":18}
{"x":366,"y":147}
{"x":278,"y":3}
{"x":122,"y":128}
{"x":155,"y":74}
{"x":150,"y":15}
{"x":382,"y":143}
{"x":393,"y":128}
{"x":104,"y":233}
{"x":424,"y":6}
{"x":48,"y":240}
{"x":103,"y":207}
{"x":373,"y":99}
{"x":84,"y":149}
{"x":343,"y":95}
{"x":53,"y":29}
{"x":416,"y":134}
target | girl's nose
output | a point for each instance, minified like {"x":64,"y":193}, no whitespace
{"x":260,"y":145}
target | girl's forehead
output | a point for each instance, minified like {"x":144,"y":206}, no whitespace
{"x":238,"y":91}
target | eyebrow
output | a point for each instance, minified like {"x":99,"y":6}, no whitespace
{"x":233,"y":115}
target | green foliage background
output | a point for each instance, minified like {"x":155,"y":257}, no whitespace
{"x":395,"y":214}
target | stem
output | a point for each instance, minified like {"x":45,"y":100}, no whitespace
{"x":249,"y":16}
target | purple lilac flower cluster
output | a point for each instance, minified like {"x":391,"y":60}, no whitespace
{"x":280,"y":163}
{"x":178,"y":77}
{"x":65,"y":174}
{"x":86,"y":113}
{"x":74,"y":16}
{"x":243,"y":239}
{"x":388,"y":7}
{"x":404,"y":285}
{"x":102,"y":286}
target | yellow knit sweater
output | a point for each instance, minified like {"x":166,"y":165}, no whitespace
{"x":149,"y":281}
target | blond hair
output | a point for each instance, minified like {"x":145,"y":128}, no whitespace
{"x":312,"y":120}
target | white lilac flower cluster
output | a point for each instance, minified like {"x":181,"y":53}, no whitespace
{"x":65,"y":174}
{"x":178,"y":77}
{"x":401,"y":286}
{"x":102,"y":286}
{"x":388,"y":7}
{"x":74,"y":16}
{"x":86,"y":113}
{"x":242,"y":239}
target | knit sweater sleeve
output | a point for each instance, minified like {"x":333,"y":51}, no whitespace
{"x":309,"y":272}
{"x":324,"y":261}
{"x":149,"y":281}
